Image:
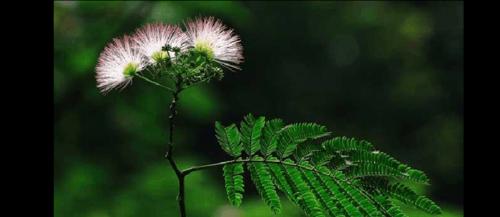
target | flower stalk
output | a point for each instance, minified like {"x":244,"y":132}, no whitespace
{"x":170,"y":148}
{"x":154,"y":83}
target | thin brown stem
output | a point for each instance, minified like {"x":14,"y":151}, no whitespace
{"x":196,"y":168}
{"x":155,"y":83}
{"x":169,"y":153}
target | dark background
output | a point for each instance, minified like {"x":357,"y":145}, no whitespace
{"x":387,"y":72}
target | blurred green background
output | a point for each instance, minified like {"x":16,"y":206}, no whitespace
{"x":387,"y":72}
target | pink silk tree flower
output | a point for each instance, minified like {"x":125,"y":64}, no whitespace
{"x":151,"y":38}
{"x":211,"y":36}
{"x":117,"y":64}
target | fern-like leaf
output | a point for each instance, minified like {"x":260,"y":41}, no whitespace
{"x":380,"y":158}
{"x":381,"y":170}
{"x":357,"y":196}
{"x":229,"y":139}
{"x":305,"y":197}
{"x":337,"y":193}
{"x":300,"y":132}
{"x":261,"y":177}
{"x":281,"y":180}
{"x":338,"y":144}
{"x":306,"y":149}
{"x":269,"y":139}
{"x":408,"y":196}
{"x":337,"y":177}
{"x":251,"y":131}
{"x":327,"y":201}
{"x":293,"y":134}
{"x":393,"y":209}
{"x":233,"y":178}
{"x":321,"y":157}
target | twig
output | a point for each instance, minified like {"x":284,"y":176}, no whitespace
{"x":169,"y":153}
{"x":155,"y":83}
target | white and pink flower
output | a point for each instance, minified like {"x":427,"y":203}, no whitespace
{"x":151,"y":38}
{"x":210,"y":35}
{"x":125,"y":57}
{"x":117,"y":64}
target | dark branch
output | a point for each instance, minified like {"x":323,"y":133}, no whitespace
{"x":170,"y":145}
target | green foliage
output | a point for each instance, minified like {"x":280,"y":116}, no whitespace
{"x":338,"y":177}
{"x":229,"y":138}
{"x":305,"y":150}
{"x":391,"y":208}
{"x":337,"y":193}
{"x":346,"y":144}
{"x":233,"y":179}
{"x":362,"y":157}
{"x":408,"y":196}
{"x":251,"y":130}
{"x":302,"y":191}
{"x":291,"y":135}
{"x":321,"y":191}
{"x":262,"y":179}
{"x":270,"y":136}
